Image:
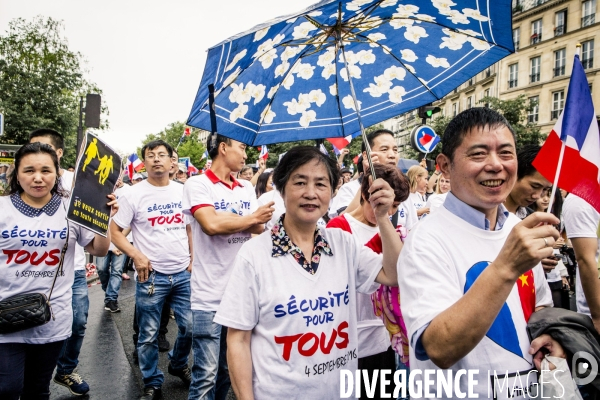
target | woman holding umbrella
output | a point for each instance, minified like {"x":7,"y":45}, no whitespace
{"x":290,"y":304}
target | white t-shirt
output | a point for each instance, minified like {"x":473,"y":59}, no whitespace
{"x":30,"y":254}
{"x":155,"y":216}
{"x":344,"y":197}
{"x":418,"y":201}
{"x":214,"y":255}
{"x":432,"y":281}
{"x":407,"y":215}
{"x":66,"y":182}
{"x":373,"y":337}
{"x":581,"y":221}
{"x":275,"y":297}
{"x":435,"y":201}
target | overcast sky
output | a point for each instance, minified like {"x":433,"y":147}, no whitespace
{"x":147,"y":56}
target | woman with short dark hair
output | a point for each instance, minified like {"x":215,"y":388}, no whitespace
{"x":264,"y":183}
{"x":33,"y":233}
{"x":290,"y":303}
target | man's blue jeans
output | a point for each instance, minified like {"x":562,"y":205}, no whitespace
{"x":210,"y":374}
{"x":69,"y":356}
{"x":176,"y":288}
{"x":110,"y":270}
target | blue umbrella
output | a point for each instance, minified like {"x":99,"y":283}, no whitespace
{"x":341,"y":65}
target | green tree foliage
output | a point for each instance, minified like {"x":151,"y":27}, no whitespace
{"x":40,"y":82}
{"x":190,"y":147}
{"x":515,"y":111}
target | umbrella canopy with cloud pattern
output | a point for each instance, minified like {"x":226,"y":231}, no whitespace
{"x":291,"y":78}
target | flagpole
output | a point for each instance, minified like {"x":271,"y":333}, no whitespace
{"x":560,"y":157}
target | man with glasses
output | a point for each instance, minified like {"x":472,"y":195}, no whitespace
{"x":161,"y":253}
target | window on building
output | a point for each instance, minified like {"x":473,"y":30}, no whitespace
{"x":513,"y":75}
{"x":560,"y":62}
{"x":516,"y":37}
{"x":558,"y":102}
{"x":588,"y":13}
{"x":536,"y":63}
{"x":533,"y":113}
{"x":469,"y":102}
{"x":454,"y":109}
{"x":560,"y":23}
{"x":587,"y":54}
{"x":536,"y":31}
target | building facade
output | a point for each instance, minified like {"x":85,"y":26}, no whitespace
{"x":545,"y":34}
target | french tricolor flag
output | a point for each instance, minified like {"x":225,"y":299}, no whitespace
{"x":264,"y":152}
{"x":134,"y":164}
{"x":340,"y":142}
{"x":574,"y":144}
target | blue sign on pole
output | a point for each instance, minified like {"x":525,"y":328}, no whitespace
{"x":424,"y":139}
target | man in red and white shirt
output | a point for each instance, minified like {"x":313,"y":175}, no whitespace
{"x":225,"y":215}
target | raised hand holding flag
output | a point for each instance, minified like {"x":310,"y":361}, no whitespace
{"x":264,"y":152}
{"x":574,"y":144}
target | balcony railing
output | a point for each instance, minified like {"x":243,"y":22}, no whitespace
{"x":512,"y":83}
{"x":588,"y":20}
{"x":536,"y":38}
{"x":532,"y":118}
{"x":559,"y":71}
{"x":534,"y":77}
{"x":554,"y":114}
{"x":588,"y":63}
{"x":559,"y":30}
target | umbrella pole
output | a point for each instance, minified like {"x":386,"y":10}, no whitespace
{"x":362,"y":128}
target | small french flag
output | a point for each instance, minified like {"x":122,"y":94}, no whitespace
{"x":134,"y":164}
{"x":264,"y":152}
{"x":340,"y":143}
{"x":204,"y":155}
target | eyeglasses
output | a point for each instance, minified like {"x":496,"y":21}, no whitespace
{"x":153,"y":156}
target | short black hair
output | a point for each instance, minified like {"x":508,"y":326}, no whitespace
{"x":213,"y":148}
{"x":525,"y":158}
{"x":371,"y":137}
{"x":56,"y":138}
{"x":154,"y":144}
{"x":476,"y":117}
{"x":345,"y":171}
{"x":297,"y":157}
{"x":359,"y":165}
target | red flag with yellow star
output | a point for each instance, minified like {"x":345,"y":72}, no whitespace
{"x":526,"y":286}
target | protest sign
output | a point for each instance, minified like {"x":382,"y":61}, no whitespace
{"x":96,"y":175}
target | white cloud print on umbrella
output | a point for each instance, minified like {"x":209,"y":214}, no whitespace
{"x":321,"y":72}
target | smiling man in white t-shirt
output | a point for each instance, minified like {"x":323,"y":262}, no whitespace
{"x":225,"y":215}
{"x":467,"y":304}
{"x":161,"y":253}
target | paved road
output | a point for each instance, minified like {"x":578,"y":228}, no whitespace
{"x":106,"y":362}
